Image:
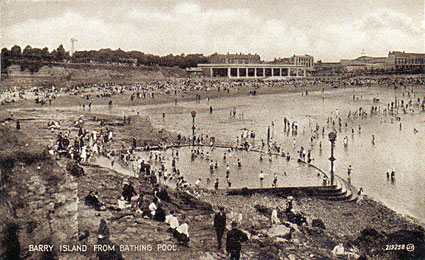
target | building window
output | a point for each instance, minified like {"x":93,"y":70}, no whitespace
{"x":242,"y":72}
{"x":268,"y":72}
{"x":259,"y":72}
{"x":234,"y":72}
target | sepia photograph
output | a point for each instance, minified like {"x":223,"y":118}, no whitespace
{"x":212,"y":130}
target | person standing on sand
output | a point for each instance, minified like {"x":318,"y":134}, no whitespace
{"x":220,"y":225}
{"x":274,"y":184}
{"x":216,"y":185}
{"x":229,"y":183}
{"x":261,"y":176}
{"x":349,"y":170}
{"x":227,"y":171}
{"x":233,"y":242}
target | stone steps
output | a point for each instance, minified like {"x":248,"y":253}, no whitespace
{"x":342,"y":191}
{"x":346,"y":192}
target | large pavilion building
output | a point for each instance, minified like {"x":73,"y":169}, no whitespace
{"x":244,"y":66}
{"x":243,"y":71}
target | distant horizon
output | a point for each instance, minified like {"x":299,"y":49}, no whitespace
{"x":326,"y":29}
{"x":207,"y":55}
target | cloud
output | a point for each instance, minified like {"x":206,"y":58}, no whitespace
{"x":189,"y":27}
{"x":59,"y":30}
{"x":384,"y":19}
{"x":376,"y":32}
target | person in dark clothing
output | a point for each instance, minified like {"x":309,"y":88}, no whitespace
{"x":233,"y":243}
{"x":128,"y":192}
{"x":163,"y":194}
{"x":140,"y":201}
{"x":159,"y":214}
{"x":289,"y":204}
{"x":18,"y":125}
{"x":134,"y":144}
{"x":103,"y":231}
{"x":220,"y":225}
{"x":92,"y":201}
{"x":10,"y":242}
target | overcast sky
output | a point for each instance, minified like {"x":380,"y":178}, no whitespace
{"x":329,"y":30}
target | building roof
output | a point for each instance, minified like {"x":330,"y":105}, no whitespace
{"x":303,"y":56}
{"x":236,"y":55}
{"x":250,"y":65}
{"x":406,"y":54}
{"x":195,"y":69}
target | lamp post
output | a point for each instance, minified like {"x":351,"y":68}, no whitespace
{"x":268,"y":136}
{"x":193,"y":113}
{"x":332,"y":139}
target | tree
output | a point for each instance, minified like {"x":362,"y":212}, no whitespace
{"x":27,"y":51}
{"x":15,"y":51}
{"x":61,"y":54}
{"x":5,"y":60}
{"x":45,"y":54}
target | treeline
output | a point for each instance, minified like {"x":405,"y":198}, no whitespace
{"x":34,"y":58}
{"x":31,"y":58}
{"x":138,"y":58}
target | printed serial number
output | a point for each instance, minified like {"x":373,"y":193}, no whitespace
{"x":395,"y":247}
{"x":408,"y":247}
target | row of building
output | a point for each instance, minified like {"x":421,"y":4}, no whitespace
{"x":251,"y":66}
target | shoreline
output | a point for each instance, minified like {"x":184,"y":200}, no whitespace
{"x":67,"y":100}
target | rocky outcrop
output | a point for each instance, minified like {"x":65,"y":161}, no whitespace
{"x":39,"y":198}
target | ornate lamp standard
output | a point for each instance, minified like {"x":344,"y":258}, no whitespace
{"x":193,"y":113}
{"x":332,"y":139}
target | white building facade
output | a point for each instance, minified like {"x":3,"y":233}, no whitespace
{"x":245,"y":71}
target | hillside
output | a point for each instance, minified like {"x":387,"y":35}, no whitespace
{"x":69,"y":72}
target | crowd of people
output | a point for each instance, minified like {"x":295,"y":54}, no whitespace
{"x":82,"y":144}
{"x":311,"y":137}
{"x":187,"y":87}
{"x":85,"y":144}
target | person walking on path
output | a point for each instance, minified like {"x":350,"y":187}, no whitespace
{"x":220,"y":225}
{"x":233,"y":242}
